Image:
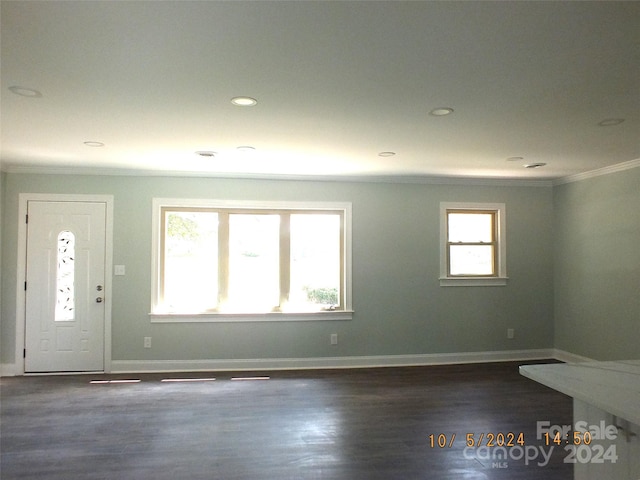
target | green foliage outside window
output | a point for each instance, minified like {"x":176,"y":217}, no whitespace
{"x":325,"y":296}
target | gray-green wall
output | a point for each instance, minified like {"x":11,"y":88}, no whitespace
{"x":399,"y":306}
{"x":2,"y":181}
{"x":597,"y":266}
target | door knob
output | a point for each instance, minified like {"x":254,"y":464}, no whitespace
{"x":99,"y":300}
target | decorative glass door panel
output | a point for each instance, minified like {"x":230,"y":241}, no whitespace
{"x":65,"y":309}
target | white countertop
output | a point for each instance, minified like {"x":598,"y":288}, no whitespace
{"x":611,"y":386}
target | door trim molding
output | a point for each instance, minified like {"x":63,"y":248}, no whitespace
{"x":23,"y":201}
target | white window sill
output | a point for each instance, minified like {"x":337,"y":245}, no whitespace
{"x":473,"y":281}
{"x":250,"y":317}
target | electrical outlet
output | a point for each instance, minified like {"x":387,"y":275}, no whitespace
{"x":147,"y":342}
{"x":511,"y":333}
{"x":334,"y":339}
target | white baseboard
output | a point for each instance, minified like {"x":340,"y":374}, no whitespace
{"x":148,"y":366}
{"x":262,"y":364}
{"x":569,"y":357}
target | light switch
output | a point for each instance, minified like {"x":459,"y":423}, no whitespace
{"x":118,"y":270}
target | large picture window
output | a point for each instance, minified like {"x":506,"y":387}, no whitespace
{"x":239,"y":260}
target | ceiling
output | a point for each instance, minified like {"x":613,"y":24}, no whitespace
{"x":337,"y":83}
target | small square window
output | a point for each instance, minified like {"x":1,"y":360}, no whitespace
{"x":472,"y":244}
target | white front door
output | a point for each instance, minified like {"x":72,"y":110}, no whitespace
{"x":65,"y":308}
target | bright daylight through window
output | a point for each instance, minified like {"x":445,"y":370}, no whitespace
{"x":231,"y":258}
{"x":473,"y":244}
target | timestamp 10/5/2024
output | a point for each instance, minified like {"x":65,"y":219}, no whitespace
{"x":509,"y":439}
{"x":484,"y":439}
{"x":578,"y":446}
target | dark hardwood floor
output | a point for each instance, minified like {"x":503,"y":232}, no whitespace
{"x":332,"y":424}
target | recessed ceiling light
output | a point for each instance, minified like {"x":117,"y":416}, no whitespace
{"x":610,"y":122}
{"x":386,"y":154}
{"x":441,"y":111}
{"x":246,"y":149}
{"x":514,"y":159}
{"x":534,"y":165}
{"x":244,"y":101}
{"x":94,"y":144}
{"x":25,"y":92}
{"x":206,"y":153}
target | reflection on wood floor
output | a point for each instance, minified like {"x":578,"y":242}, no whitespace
{"x":382,"y":423}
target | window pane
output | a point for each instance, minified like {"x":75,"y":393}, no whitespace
{"x":315,"y":262}
{"x":254,"y":262}
{"x":470,"y":227}
{"x":190,"y":261}
{"x":65,"y":277}
{"x":471,"y":260}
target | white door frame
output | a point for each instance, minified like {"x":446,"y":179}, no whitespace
{"x":23,"y":200}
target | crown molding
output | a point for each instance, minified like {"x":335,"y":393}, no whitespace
{"x":618,"y":167}
{"x":401,"y":179}
{"x":406,"y":179}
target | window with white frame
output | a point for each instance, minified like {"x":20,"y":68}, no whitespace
{"x":217,"y":258}
{"x":473,"y":244}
